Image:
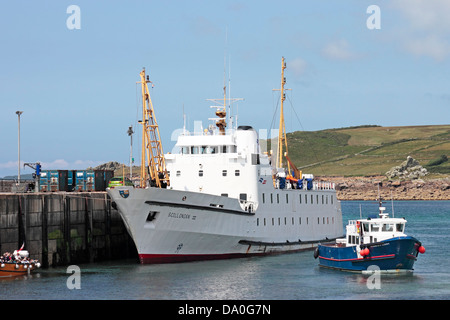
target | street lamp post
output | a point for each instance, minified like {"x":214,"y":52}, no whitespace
{"x":130,"y":133}
{"x":18,"y":165}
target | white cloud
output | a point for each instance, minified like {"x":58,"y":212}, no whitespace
{"x":299,"y":71}
{"x":430,"y":45}
{"x":429,"y":15}
{"x":9,"y":165}
{"x":61,"y":164}
{"x":426,"y":31}
{"x":58,"y":164}
{"x":297,"y":66}
{"x":82,"y":164}
{"x":339,"y":50}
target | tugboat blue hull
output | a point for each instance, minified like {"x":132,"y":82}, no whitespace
{"x":393,"y":254}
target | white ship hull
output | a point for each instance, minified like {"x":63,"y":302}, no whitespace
{"x":177,"y":226}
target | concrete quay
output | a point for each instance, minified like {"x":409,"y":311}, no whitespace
{"x":64,"y":228}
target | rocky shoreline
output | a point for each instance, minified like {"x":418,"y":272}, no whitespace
{"x":366,"y":188}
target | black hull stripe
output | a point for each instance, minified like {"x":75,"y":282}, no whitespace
{"x":198,"y":207}
{"x":287,"y":243}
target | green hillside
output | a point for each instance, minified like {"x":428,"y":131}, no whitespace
{"x":370,"y":150}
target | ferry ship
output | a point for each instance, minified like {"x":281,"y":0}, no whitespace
{"x":222,"y":197}
{"x":372,"y":244}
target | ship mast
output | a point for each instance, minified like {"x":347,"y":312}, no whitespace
{"x":222,"y":113}
{"x":282,"y":127}
{"x":282,"y":139}
{"x":221,"y":110}
{"x":153,"y":165}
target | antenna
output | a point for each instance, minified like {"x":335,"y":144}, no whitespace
{"x":392,"y":204}
{"x":221,"y":107}
{"x":225,"y":69}
{"x":230,"y":112}
{"x":184,"y":121}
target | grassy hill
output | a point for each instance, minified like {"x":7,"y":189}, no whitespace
{"x":369,"y":150}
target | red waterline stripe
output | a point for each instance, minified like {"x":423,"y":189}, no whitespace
{"x":149,"y":258}
{"x":360,"y":259}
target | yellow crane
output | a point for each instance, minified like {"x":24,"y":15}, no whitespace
{"x":153,"y":164}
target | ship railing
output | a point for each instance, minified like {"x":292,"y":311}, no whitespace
{"x":248,"y":206}
{"x":205,"y":132}
{"x":285,"y":183}
{"x":323,"y":185}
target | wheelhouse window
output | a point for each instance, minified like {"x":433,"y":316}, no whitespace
{"x":400,"y":227}
{"x":194,"y":150}
{"x":237,"y":173}
{"x":212,"y":149}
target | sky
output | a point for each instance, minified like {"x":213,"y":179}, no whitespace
{"x":73,"y":72}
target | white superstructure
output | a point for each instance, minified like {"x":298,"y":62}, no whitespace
{"x":374,"y":229}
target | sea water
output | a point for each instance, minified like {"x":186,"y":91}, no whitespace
{"x":279,"y":277}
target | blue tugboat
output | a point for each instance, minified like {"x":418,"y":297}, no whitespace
{"x":378,"y":241}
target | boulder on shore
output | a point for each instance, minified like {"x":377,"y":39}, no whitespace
{"x":408,"y":170}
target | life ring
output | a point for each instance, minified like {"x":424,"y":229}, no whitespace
{"x":316,"y":253}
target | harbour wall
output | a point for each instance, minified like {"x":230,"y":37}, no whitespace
{"x":62,"y":228}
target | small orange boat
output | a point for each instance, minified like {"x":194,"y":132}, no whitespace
{"x":11,"y":269}
{"x":17,"y":264}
